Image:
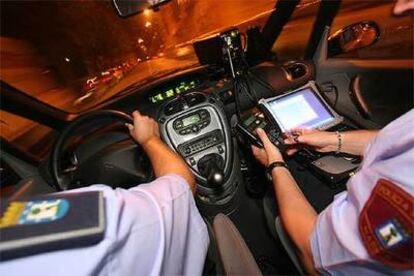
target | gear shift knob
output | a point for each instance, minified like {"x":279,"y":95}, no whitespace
{"x":211,"y":167}
{"x":215,"y":175}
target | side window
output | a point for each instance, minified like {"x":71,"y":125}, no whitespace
{"x":28,"y":136}
{"x":395,"y":33}
{"x":293,"y":40}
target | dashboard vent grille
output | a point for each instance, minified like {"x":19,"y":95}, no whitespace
{"x":193,"y":99}
{"x":173,"y":107}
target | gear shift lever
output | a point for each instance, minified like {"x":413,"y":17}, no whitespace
{"x":211,"y":167}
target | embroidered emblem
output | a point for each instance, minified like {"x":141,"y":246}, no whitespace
{"x":30,"y":212}
{"x":386,"y":225}
{"x":391,"y":234}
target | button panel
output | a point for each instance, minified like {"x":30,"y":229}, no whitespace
{"x":209,"y":140}
{"x":192,"y":123}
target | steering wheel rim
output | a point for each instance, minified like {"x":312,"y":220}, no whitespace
{"x":67,"y":133}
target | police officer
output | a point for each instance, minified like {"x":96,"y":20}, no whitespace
{"x":366,"y":229}
{"x":151,"y":229}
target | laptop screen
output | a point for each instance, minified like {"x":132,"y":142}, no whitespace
{"x":301,"y":109}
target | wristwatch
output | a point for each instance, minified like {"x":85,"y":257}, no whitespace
{"x":273,"y":165}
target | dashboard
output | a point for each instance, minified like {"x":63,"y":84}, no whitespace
{"x":194,"y":108}
{"x":174,"y":89}
{"x":150,"y":97}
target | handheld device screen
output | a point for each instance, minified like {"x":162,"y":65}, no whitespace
{"x":300,"y":109}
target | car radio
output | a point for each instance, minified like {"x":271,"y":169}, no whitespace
{"x":206,"y":141}
{"x":192,"y":123}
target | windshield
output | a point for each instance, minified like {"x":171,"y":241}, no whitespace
{"x":75,"y":54}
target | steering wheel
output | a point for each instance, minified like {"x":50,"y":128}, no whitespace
{"x":136,"y":161}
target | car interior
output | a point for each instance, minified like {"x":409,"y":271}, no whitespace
{"x":208,"y":112}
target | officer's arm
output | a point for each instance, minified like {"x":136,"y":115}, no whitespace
{"x":297,"y":215}
{"x":355,"y":142}
{"x":163,"y":160}
{"x":352,"y":142}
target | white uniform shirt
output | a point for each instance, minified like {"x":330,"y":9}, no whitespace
{"x":353,"y":235}
{"x":152,"y":229}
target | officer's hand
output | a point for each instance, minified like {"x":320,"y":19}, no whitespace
{"x":322,"y":141}
{"x":269,"y":153}
{"x":144,"y":128}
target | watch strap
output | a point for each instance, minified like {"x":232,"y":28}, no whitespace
{"x":273,"y":165}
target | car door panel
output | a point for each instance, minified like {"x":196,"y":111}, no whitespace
{"x":384,"y":87}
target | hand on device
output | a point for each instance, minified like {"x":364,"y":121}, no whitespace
{"x":144,"y":128}
{"x":269,"y":153}
{"x":322,"y":141}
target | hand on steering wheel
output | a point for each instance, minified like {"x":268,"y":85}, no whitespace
{"x":137,"y":164}
{"x":144,"y":128}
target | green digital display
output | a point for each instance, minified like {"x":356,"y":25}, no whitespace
{"x":191,"y":120}
{"x":171,"y":92}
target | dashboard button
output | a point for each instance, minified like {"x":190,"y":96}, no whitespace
{"x":192,"y":161}
{"x":176,"y":126}
{"x":220,"y":149}
{"x":194,"y":128}
{"x":182,"y":132}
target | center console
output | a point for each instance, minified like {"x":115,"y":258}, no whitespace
{"x":195,"y":126}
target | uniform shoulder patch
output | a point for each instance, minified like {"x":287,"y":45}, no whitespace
{"x":386,"y":225}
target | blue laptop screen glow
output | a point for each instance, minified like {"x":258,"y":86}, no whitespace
{"x":302,"y":109}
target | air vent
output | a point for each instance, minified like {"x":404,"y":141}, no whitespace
{"x":193,"y":99}
{"x":295,"y":70}
{"x":173,"y":107}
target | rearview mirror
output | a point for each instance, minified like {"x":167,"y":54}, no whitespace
{"x":126,"y":8}
{"x":353,"y":37}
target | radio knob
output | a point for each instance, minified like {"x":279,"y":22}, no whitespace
{"x":192,"y":161}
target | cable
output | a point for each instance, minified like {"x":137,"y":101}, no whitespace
{"x":236,"y":99}
{"x":258,"y":79}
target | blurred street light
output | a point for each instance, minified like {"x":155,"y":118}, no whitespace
{"x":140,"y":40}
{"x":67,"y":59}
{"x":147,"y":12}
{"x":147,"y":24}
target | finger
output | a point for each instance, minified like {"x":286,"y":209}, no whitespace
{"x":302,"y":131}
{"x":255,"y":150}
{"x":291,"y":151}
{"x":295,"y":131}
{"x":263,"y":137}
{"x":129,"y":126}
{"x":291,"y":140}
{"x":136,"y":113}
{"x":302,"y":139}
{"x":137,"y":118}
